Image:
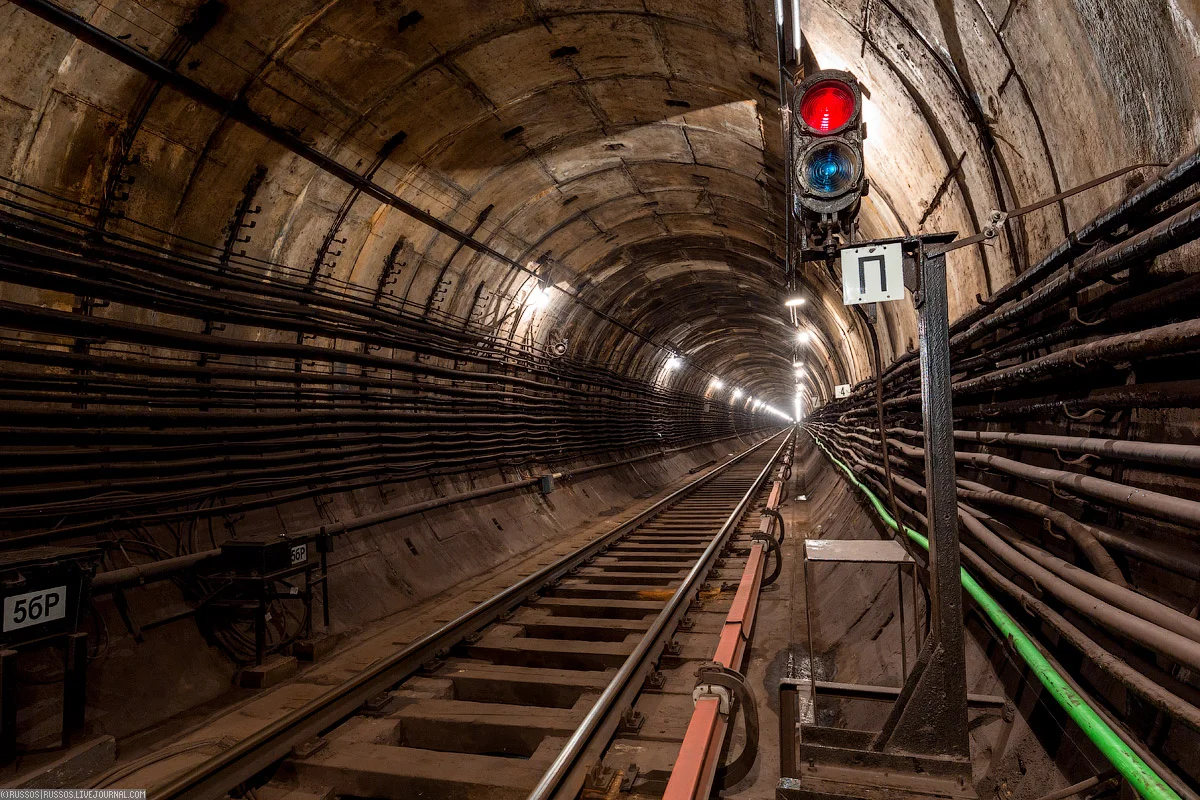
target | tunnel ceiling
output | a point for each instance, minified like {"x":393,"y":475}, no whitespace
{"x":627,"y":150}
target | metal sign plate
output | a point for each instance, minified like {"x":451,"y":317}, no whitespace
{"x":841,"y":390}
{"x":873,"y":273}
{"x":34,"y":608}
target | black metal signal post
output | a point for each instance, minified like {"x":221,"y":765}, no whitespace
{"x":930,"y":716}
{"x":923,"y":749}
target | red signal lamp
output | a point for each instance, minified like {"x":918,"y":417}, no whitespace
{"x":827,"y":106}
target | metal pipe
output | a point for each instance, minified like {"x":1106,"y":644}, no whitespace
{"x":1083,"y":535}
{"x":1181,"y":174}
{"x":1145,"y":607}
{"x":1146,"y":680}
{"x":1157,"y":504}
{"x":1175,"y":455}
{"x":141,"y":574}
{"x":1179,"y":229}
{"x":1075,"y":788}
{"x":1150,"y":634}
{"x":1121,"y":754}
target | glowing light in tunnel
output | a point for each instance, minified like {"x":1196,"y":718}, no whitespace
{"x":803,"y":336}
{"x":539,"y":298}
{"x":793,"y":302}
{"x":674,"y":362}
{"x":830,"y":168}
{"x":737,"y":394}
{"x":827,"y":106}
{"x":718,"y":384}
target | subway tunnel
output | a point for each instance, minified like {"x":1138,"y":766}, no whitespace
{"x":363,"y":358}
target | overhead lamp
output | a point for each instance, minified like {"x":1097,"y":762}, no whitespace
{"x":792,"y":302}
{"x":717,"y":383}
{"x":737,"y":394}
{"x":673,"y":362}
{"x":539,"y":298}
{"x":803,"y":336}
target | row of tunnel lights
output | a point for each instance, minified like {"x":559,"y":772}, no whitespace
{"x":802,"y":337}
{"x":539,"y":298}
{"x":716,"y":385}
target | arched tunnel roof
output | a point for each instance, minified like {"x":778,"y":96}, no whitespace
{"x":629,"y":151}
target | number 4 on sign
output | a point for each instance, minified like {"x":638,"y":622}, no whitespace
{"x":873,"y":273}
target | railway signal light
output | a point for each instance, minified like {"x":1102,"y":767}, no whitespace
{"x":827,"y":148}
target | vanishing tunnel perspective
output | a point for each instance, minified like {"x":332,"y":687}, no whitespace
{"x":600,"y":399}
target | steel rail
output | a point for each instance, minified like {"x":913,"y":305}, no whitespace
{"x":250,"y":756}
{"x":697,"y":764}
{"x":565,"y":777}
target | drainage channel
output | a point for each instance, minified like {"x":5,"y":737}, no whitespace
{"x":521,"y":696}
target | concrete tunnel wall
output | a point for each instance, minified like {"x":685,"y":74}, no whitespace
{"x":629,"y":149}
{"x":637,"y":144}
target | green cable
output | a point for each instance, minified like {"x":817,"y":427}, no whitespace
{"x":1145,"y":780}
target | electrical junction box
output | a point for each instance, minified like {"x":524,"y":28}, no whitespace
{"x":267,"y":555}
{"x":872,"y":273}
{"x":42,"y":590}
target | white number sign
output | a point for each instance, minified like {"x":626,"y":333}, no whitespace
{"x":299,"y":554}
{"x":873,"y":273}
{"x":841,"y":390}
{"x":34,"y":608}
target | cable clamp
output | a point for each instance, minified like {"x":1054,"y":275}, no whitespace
{"x":730,"y":688}
{"x":723,"y":683}
{"x":706,"y":690}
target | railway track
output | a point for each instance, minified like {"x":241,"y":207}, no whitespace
{"x":521,"y":696}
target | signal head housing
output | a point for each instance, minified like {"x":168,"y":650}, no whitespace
{"x":827,"y":136}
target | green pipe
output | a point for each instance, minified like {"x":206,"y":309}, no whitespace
{"x":1145,"y":780}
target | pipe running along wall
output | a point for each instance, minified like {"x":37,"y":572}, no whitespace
{"x":1128,"y":763}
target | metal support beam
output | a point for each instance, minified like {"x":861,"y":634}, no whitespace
{"x":930,"y":716}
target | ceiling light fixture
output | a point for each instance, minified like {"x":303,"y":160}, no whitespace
{"x":793,"y":302}
{"x":539,"y":298}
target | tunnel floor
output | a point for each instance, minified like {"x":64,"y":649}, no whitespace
{"x":856,"y":640}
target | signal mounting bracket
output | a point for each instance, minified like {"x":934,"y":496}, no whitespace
{"x":997,"y":219}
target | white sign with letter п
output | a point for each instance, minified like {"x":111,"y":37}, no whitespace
{"x":841,"y":390}
{"x":873,"y":273}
